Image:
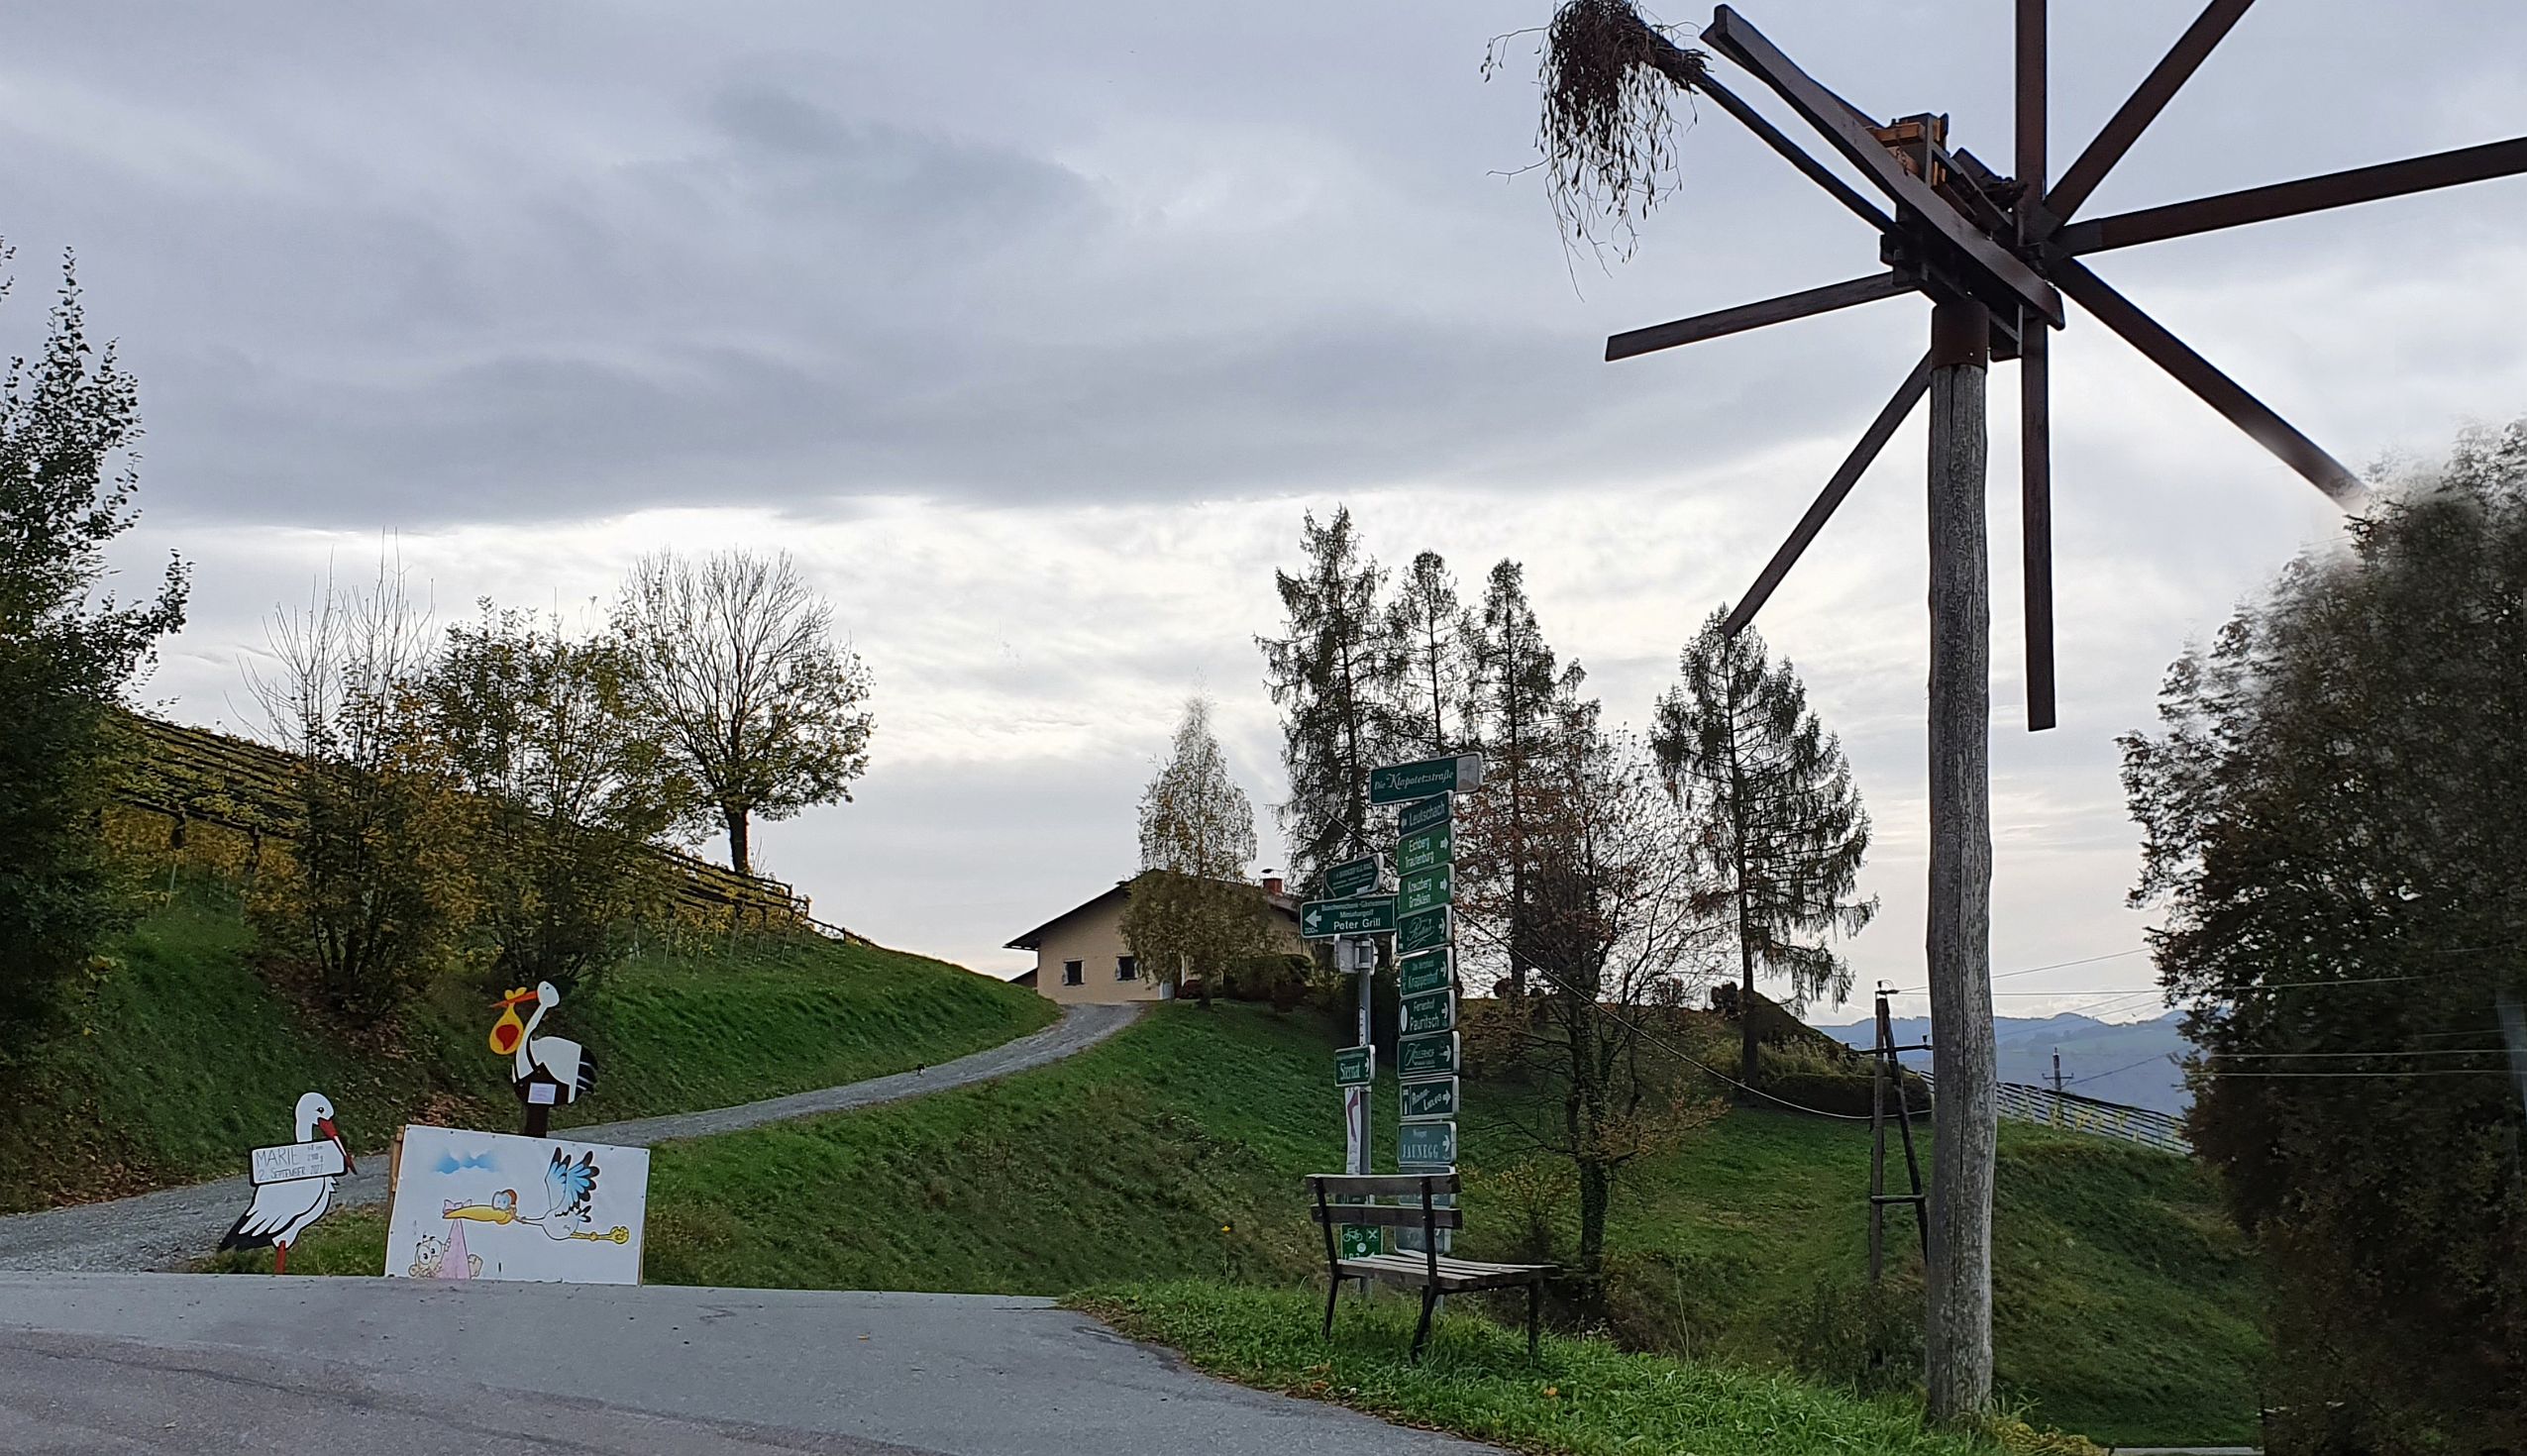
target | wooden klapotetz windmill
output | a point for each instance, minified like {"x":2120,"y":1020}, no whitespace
{"x":1996,"y":254}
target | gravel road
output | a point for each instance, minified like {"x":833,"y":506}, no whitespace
{"x":173,"y":1227}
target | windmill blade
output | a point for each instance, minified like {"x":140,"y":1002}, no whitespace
{"x":1847,"y":474}
{"x":2141,"y":108}
{"x":2215,"y":388}
{"x":2036,"y":519}
{"x":1635,"y":342}
{"x":2289,"y":199}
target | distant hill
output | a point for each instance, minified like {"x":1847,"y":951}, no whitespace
{"x":2128,"y":1062}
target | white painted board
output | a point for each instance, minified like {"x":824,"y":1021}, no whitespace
{"x":290,"y":1162}
{"x":493,"y":1205}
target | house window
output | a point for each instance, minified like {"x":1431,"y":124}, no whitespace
{"x":1125,"y":969}
{"x":1070,"y":973}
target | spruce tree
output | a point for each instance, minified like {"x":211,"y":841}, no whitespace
{"x":1778,"y":807}
{"x":1433,"y":642}
{"x":1332,"y":675}
{"x":1520,"y":702}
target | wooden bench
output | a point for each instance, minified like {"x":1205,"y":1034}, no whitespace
{"x":1432,"y":1272}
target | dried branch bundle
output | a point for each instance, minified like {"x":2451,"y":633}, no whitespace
{"x":1608,"y":134}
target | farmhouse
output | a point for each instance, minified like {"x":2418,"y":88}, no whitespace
{"x":1080,"y":954}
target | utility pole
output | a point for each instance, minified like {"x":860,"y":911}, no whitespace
{"x":1958,"y":1332}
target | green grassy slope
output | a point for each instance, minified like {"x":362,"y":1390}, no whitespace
{"x":2125,"y":1308}
{"x":181,"y":1057}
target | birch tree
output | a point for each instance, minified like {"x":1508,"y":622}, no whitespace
{"x":1736,"y":742}
{"x":732,"y":663}
{"x":1192,"y":911}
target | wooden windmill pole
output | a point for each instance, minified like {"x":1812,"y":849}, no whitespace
{"x":1996,"y":256}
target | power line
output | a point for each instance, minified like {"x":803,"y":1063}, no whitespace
{"x":2093,"y":1075}
{"x":2410,"y":1071}
{"x":2385,"y":1052}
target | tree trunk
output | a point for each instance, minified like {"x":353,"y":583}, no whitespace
{"x":1596,"y":1192}
{"x":1959,"y":1328}
{"x":738,"y":858}
{"x":1745,"y":932}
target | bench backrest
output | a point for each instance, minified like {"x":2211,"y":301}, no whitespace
{"x":1421,"y":1188}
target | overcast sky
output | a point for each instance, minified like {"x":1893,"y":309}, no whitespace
{"x":1032,"y":330}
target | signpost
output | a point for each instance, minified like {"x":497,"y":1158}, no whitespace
{"x":1429,"y":1012}
{"x":1428,"y":889}
{"x":1355,"y":1065}
{"x":1423,"y":930}
{"x":1419,"y":1058}
{"x":1421,"y":1146}
{"x":1426,"y":1102}
{"x":1428,"y":971}
{"x":1399,"y":783}
{"x":1352,"y":877}
{"x":1371,"y":914}
{"x":1428,"y":850}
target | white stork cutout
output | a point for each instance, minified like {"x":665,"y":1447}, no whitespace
{"x":293,"y":1184}
{"x":537,"y":1062}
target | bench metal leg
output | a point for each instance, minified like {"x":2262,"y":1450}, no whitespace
{"x":1333,"y":1292}
{"x":1535,"y":1312}
{"x":1422,"y":1335}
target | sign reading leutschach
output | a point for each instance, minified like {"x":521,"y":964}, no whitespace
{"x":1398,"y":783}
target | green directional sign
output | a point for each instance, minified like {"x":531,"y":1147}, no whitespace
{"x":1421,"y":1058}
{"x":1429,"y":887}
{"x":1401,"y":783}
{"x":1355,"y":1065}
{"x":1429,"y":813}
{"x":1426,"y":972}
{"x":1363,"y":915}
{"x":1428,"y":850}
{"x":1427,"y":1101}
{"x":1352,"y":877}
{"x":1431,"y":1010}
{"x":1359,"y":1243}
{"x":1423,"y":931}
{"x":1425,"y":1144}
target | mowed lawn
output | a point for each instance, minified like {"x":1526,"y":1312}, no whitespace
{"x":180,"y":1057}
{"x":2124,"y":1305}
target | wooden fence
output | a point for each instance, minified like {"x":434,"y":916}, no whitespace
{"x":2023,"y":1102}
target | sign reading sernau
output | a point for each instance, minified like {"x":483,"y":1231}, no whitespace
{"x":1419,"y":1058}
{"x":1364,"y":915}
{"x":1427,"y":1144}
{"x":1428,"y":1101}
{"x":1352,"y":877}
{"x":1398,"y":783}
{"x":1432,"y":1010}
{"x":1355,"y":1065}
{"x":1426,"y":972}
{"x":1425,"y":930}
{"x":1428,"y":889}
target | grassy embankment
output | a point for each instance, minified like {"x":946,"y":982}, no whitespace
{"x":2125,"y":1308}
{"x":181,"y":1057}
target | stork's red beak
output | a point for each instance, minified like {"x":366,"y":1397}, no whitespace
{"x":325,"y":1125}
{"x":514,"y":998}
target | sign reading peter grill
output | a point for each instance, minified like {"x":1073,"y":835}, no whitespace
{"x":1366,"y":915}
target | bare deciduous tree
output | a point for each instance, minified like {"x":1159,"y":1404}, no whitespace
{"x":732,"y":660}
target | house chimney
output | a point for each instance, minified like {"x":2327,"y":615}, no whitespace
{"x":1271,"y":882}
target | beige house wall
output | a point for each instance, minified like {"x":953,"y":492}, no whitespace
{"x":1093,"y":935}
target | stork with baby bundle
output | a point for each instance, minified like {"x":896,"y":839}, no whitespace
{"x":548,"y":1071}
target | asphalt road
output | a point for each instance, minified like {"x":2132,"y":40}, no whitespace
{"x":251,"y":1363}
{"x":173,"y":1227}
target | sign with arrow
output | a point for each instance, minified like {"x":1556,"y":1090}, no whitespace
{"x":1352,"y":877}
{"x":1421,"y":1058}
{"x":1433,"y":1010}
{"x":1428,"y":850}
{"x":1355,"y":1065}
{"x":1431,"y":888}
{"x":1398,"y":783}
{"x":1372,"y":915}
{"x":1429,"y":813}
{"x":1426,"y":972}
{"x":1424,"y":930}
{"x":1425,"y":1144}
{"x":1429,"y":1101}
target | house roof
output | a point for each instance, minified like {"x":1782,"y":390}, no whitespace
{"x":1034,"y":939}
